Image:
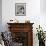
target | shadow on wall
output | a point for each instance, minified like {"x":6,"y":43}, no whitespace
{"x":0,"y":15}
{"x":43,"y":6}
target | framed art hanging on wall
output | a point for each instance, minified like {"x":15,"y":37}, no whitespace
{"x":20,"y":9}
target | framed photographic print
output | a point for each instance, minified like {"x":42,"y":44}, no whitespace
{"x":20,"y":9}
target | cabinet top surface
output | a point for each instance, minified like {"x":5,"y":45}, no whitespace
{"x":19,"y":23}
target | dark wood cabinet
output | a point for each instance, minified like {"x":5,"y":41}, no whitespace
{"x":22,"y":33}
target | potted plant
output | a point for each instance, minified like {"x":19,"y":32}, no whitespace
{"x":41,"y":36}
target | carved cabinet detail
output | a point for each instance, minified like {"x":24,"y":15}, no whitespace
{"x":22,"y":33}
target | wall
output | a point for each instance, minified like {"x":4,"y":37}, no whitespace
{"x":33,"y":13}
{"x":0,"y":14}
{"x":43,"y":6}
{"x":43,"y":14}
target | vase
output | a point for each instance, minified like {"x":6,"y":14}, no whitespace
{"x":41,"y":43}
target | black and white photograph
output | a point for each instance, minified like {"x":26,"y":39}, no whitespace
{"x":20,"y":9}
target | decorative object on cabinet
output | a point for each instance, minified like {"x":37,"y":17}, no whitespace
{"x":20,"y":9}
{"x":22,"y":33}
{"x":13,"y":21}
{"x":27,"y":21}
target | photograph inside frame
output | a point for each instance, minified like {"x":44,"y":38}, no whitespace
{"x":20,"y":9}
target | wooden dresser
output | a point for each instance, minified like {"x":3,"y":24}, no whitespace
{"x":22,"y":33}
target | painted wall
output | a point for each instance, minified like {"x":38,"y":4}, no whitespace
{"x":0,"y":15}
{"x":33,"y":13}
{"x":43,"y":14}
{"x":43,"y":6}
